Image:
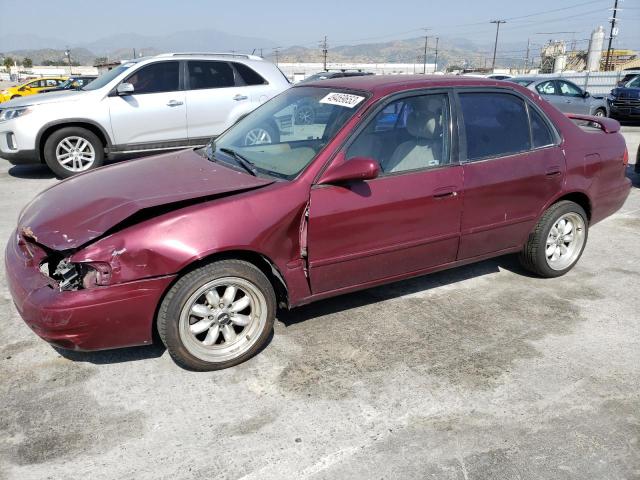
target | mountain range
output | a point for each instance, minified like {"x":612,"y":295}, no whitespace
{"x":116,"y":47}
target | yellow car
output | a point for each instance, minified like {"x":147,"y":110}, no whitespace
{"x":30,"y":87}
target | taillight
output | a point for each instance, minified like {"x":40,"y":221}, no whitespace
{"x":625,"y":157}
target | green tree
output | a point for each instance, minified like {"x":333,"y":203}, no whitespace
{"x":27,"y":62}
{"x":8,"y":62}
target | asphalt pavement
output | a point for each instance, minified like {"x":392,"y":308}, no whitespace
{"x":480,"y":372}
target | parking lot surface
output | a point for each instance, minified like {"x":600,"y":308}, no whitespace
{"x":480,"y":372}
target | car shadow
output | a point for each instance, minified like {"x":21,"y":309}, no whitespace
{"x":120,"y":355}
{"x":400,"y":288}
{"x":31,"y":172}
{"x":321,"y":308}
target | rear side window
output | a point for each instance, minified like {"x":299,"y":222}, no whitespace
{"x":248,"y":75}
{"x":540,"y":132}
{"x":205,"y":74}
{"x":156,"y":78}
{"x":496,"y":125}
{"x":547,"y":88}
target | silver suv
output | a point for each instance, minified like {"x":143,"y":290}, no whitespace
{"x":157,"y":103}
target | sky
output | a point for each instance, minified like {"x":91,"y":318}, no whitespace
{"x":289,"y":22}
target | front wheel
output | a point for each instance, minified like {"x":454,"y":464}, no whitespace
{"x":601,"y":112}
{"x":217,"y":316}
{"x":72,"y":150}
{"x":558,"y":240}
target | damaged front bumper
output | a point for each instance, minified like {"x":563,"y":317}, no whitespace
{"x":99,"y":318}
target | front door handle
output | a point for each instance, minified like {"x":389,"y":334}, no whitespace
{"x":174,"y":103}
{"x":444,"y":192}
{"x":239,"y":97}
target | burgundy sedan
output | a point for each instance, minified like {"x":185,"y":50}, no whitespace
{"x":402,"y":176}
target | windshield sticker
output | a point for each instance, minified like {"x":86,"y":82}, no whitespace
{"x":342,"y":99}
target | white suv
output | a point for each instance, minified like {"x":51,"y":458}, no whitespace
{"x":157,"y":103}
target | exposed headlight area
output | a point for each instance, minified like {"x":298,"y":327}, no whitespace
{"x":77,"y":276}
{"x":11,"y":113}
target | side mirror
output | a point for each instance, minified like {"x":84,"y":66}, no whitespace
{"x":586,"y":94}
{"x":124,"y":89}
{"x":358,"y":168}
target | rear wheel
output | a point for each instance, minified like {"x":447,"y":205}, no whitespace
{"x":218,"y":315}
{"x":600,"y":112}
{"x":558,"y":240}
{"x":72,"y":150}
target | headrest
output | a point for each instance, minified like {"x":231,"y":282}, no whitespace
{"x":426,"y":118}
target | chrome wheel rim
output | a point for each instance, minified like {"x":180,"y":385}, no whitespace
{"x":75,"y":153}
{"x":223,"y":319}
{"x":565,"y":241}
{"x":305,"y":115}
{"x":257,"y":136}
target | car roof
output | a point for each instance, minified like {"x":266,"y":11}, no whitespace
{"x":384,"y":84}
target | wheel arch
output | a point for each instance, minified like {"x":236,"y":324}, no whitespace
{"x":51,"y":127}
{"x":262,"y":262}
{"x":580,"y":198}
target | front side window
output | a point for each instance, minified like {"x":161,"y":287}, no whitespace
{"x":569,"y":89}
{"x":156,"y":78}
{"x":206,"y":74}
{"x":495,"y":124}
{"x":278,"y":145}
{"x":52,"y":83}
{"x":408,"y":134}
{"x":635,"y":83}
{"x":36,"y":84}
{"x":547,"y":88}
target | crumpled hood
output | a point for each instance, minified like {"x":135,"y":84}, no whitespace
{"x":42,"y":98}
{"x":81,"y":208}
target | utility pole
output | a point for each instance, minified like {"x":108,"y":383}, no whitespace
{"x":495,"y":45}
{"x":325,"y":50}
{"x":526,"y":60}
{"x":276,"y":51}
{"x":424,"y":62}
{"x":67,"y":52}
{"x":435,"y":69}
{"x":612,"y":34}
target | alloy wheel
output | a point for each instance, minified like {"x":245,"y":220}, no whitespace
{"x":75,"y":153}
{"x":565,"y":241}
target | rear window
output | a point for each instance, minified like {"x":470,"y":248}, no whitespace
{"x":496,"y":125}
{"x":248,"y":75}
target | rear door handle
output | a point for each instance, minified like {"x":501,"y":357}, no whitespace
{"x":553,"y":171}
{"x":239,"y":97}
{"x":173,"y":103}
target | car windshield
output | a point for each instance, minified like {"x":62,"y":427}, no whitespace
{"x":106,"y":77}
{"x":521,"y":81}
{"x":284,"y":135}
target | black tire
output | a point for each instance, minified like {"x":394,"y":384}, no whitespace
{"x":533,"y":255}
{"x":57,"y":136}
{"x":178,"y":298}
{"x":600,"y":112}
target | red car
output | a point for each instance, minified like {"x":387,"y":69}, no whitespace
{"x":404,"y":176}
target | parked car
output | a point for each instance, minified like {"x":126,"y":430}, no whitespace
{"x":334,"y":74}
{"x":72,"y":83}
{"x":30,"y":87}
{"x":157,"y":103}
{"x":499,"y":76}
{"x":565,"y":95}
{"x":624,"y":101}
{"x":204,"y":244}
{"x":627,"y":78}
